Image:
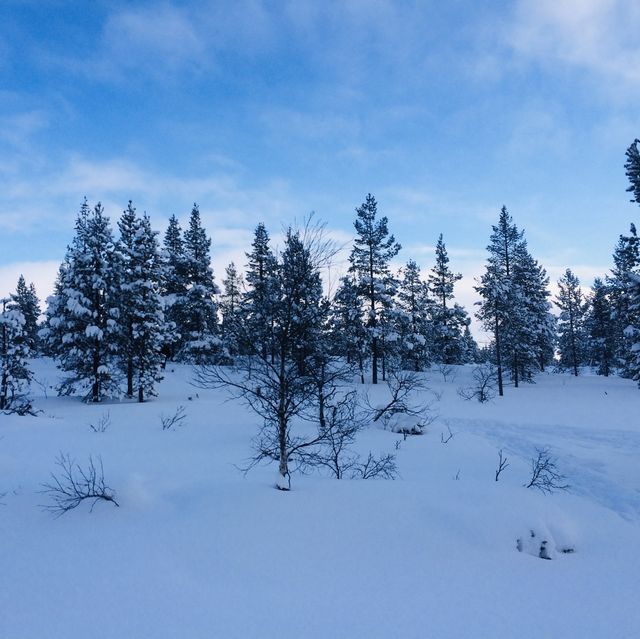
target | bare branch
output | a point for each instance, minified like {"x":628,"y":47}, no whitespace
{"x":502,"y":464}
{"x":74,"y":484}
{"x":176,"y":419}
{"x":102,"y":424}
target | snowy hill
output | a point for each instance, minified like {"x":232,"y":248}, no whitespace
{"x":197,"y":549}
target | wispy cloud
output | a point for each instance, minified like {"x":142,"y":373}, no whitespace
{"x":597,"y":36}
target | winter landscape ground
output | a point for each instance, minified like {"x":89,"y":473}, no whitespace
{"x":197,"y":549}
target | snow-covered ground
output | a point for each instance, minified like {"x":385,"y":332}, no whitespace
{"x":198,"y":550}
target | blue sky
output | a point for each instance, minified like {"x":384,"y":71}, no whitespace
{"x":264,"y":111}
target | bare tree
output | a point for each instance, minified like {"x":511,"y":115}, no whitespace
{"x":74,"y":484}
{"x":544,"y":473}
{"x":502,"y":464}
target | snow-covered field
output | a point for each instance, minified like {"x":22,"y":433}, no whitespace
{"x":198,"y":550}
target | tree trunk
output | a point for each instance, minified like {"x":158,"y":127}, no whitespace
{"x":498,"y":358}
{"x":374,"y":360}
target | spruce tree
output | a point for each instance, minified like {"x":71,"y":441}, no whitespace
{"x":369,"y":262}
{"x":26,"y":299}
{"x":496,"y":287}
{"x":174,"y":287}
{"x":571,"y":333}
{"x":15,"y":374}
{"x":141,"y":317}
{"x":348,"y":332}
{"x":82,"y":327}
{"x":601,"y":329}
{"x":200,"y":337}
{"x":260,"y":297}
{"x":414,"y":326}
{"x":536,"y":329}
{"x":626,"y":259}
{"x":449,"y":321}
{"x":231,"y":310}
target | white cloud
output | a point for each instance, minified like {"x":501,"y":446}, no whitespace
{"x":598,"y":36}
{"x":42,"y":274}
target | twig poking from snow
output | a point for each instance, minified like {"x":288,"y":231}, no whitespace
{"x":172,"y":421}
{"x":103,"y":423}
{"x":502,"y":464}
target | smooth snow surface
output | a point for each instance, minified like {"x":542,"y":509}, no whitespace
{"x":198,"y":550}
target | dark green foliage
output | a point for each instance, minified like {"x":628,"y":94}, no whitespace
{"x":26,"y":300}
{"x":572,"y":346}
{"x":369,"y":263}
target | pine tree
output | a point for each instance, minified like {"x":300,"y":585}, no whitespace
{"x":348,"y":332}
{"x":515,"y":305}
{"x":369,"y":262}
{"x":632,"y":332}
{"x":449,"y":322}
{"x":536,"y":329}
{"x":200,"y":337}
{"x":626,"y":258}
{"x":231,"y":309}
{"x":601,"y":329}
{"x":15,"y":374}
{"x":174,"y":287}
{"x":141,"y":317}
{"x":571,"y":340}
{"x":300,"y":304}
{"x":414,"y":324}
{"x":496,"y":287}
{"x":260,"y":296}
{"x":27,"y":301}
{"x":82,"y":325}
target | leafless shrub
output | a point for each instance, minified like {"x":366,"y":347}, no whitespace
{"x":175,"y":420}
{"x":102,"y":424}
{"x":402,"y":413}
{"x":74,"y":484}
{"x":484,"y":384}
{"x":445,"y":439}
{"x":447,"y":371}
{"x":544,"y":473}
{"x":502,"y":464}
{"x":383,"y":467}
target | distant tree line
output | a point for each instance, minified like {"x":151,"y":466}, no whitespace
{"x":123,"y":305}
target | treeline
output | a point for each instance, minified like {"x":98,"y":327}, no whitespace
{"x":124,"y":305}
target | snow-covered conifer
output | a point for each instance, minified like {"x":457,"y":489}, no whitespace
{"x":15,"y":374}
{"x":261,"y":294}
{"x":600,"y":329}
{"x":231,"y":309}
{"x":413,"y":319}
{"x":571,"y":332}
{"x":27,"y":301}
{"x":139,"y":300}
{"x":82,"y":319}
{"x":449,"y":321}
{"x":174,"y":285}
{"x":200,"y":339}
{"x":369,"y":263}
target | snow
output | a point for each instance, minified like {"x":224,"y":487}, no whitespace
{"x":197,"y":549}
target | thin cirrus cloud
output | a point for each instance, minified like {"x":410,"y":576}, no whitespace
{"x":598,"y":36}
